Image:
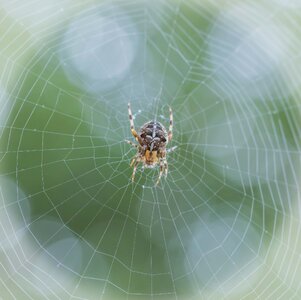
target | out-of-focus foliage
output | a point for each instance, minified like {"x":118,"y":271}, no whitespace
{"x":224,"y":223}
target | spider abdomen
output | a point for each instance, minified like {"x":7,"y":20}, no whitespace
{"x":153,"y":136}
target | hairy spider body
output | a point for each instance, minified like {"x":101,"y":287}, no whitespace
{"x":152,"y":141}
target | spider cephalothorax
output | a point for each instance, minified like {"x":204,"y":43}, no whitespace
{"x":152,"y":139}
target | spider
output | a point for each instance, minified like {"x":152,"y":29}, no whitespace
{"x":151,"y":148}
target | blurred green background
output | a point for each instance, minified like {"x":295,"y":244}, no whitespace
{"x":224,"y":223}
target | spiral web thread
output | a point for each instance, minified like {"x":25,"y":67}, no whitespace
{"x":224,"y":223}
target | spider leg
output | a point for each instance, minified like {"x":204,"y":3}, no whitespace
{"x":170,"y":125}
{"x":161,"y":172}
{"x":133,"y":161}
{"x":172,"y":149}
{"x":137,"y":161}
{"x":132,"y":144}
{"x":165,"y":167}
{"x":134,"y":132}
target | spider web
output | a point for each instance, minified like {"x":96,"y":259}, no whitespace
{"x":224,"y":223}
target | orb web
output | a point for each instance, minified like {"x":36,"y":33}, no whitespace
{"x":224,"y":223}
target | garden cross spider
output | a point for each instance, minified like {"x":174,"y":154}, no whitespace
{"x":151,"y":148}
